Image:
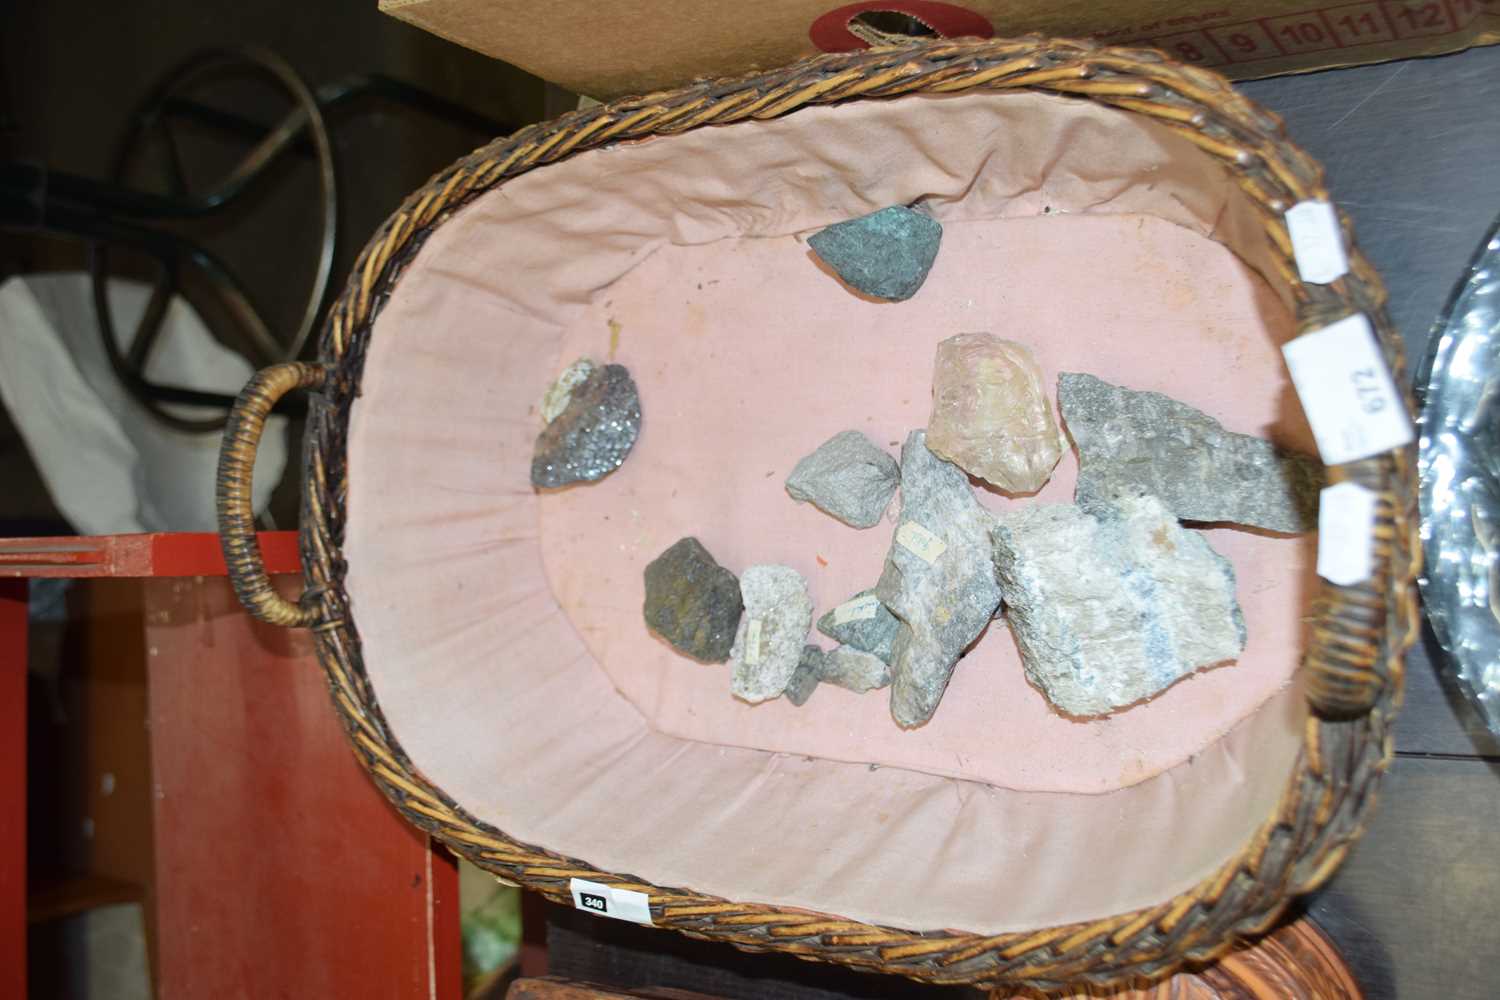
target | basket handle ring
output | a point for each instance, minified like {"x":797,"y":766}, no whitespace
{"x":242,"y":434}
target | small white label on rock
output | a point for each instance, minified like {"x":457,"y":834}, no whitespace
{"x":1317,"y":242}
{"x":600,"y":899}
{"x":860,"y":609}
{"x":920,"y":542}
{"x":1346,"y":540}
{"x":752,"y":642}
{"x":1347,"y":392}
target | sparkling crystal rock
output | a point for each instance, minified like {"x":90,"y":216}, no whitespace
{"x":849,"y":477}
{"x":990,"y":413}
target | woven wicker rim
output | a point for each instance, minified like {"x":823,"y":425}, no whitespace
{"x":1358,"y":637}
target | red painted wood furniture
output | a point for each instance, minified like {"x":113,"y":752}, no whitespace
{"x":280,"y":870}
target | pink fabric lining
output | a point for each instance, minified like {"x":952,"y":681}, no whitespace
{"x":502,"y":631}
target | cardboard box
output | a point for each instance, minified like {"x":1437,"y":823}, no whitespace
{"x":605,"y":48}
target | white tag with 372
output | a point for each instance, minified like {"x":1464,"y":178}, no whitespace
{"x":1346,"y":390}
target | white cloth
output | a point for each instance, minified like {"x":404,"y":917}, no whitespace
{"x":109,"y":465}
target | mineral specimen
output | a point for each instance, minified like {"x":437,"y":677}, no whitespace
{"x":990,"y":413}
{"x":939,"y":579}
{"x":558,"y":394}
{"x":886,"y":254}
{"x":852,"y":669}
{"x":1109,"y":610}
{"x":768,"y":643}
{"x":862,"y":623}
{"x":692,"y":602}
{"x":848,"y":668}
{"x":594,"y":432}
{"x":848,"y":477}
{"x":805,"y":678}
{"x":1144,"y":442}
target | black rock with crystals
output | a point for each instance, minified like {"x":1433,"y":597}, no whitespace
{"x":593,"y":434}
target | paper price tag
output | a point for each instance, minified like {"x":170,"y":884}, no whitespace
{"x":1347,"y":392}
{"x":858,"y":609}
{"x":1317,"y":242}
{"x":920,"y":542}
{"x":1346,"y":542}
{"x":752,"y":642}
{"x":600,"y":899}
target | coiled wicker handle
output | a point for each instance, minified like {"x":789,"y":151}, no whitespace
{"x":247,"y":421}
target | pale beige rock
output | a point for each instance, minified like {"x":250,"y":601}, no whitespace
{"x":560,"y":392}
{"x":990,"y":412}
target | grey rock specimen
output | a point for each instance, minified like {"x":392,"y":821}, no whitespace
{"x":886,"y":254}
{"x":594,"y":432}
{"x":560,"y":391}
{"x":855,"y":670}
{"x":692,"y":602}
{"x":848,"y":668}
{"x":849,"y":477}
{"x":768,"y":643}
{"x":1147,"y":443}
{"x":805,"y":678}
{"x":864,"y":624}
{"x":1110,"y":610}
{"x":939,"y":579}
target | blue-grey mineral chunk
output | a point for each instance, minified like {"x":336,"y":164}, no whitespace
{"x":862,"y":623}
{"x":939,"y":579}
{"x":1110,"y":608}
{"x":692,"y":602}
{"x":592,"y":435}
{"x":886,"y":254}
{"x":848,"y":477}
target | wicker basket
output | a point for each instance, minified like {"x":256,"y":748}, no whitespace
{"x":1353,"y":665}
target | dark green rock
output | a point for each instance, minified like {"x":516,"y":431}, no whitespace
{"x":692,"y":602}
{"x":886,"y":254}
